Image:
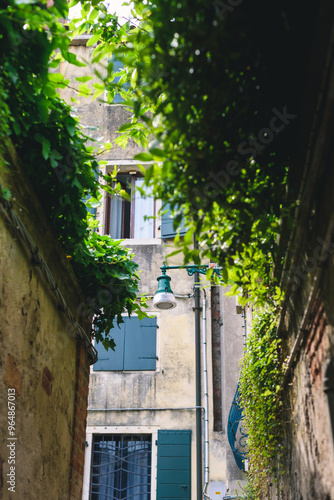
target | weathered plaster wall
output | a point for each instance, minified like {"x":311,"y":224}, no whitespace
{"x":40,"y":362}
{"x":229,"y":328}
{"x":95,"y":114}
{"x":233,"y":331}
{"x":173,"y":383}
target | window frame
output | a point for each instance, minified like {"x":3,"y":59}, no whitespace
{"x":91,"y":430}
{"x":131,"y":455}
{"x":167,"y":224}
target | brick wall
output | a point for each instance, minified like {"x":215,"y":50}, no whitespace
{"x":307,"y":325}
{"x":79,"y":423}
{"x":216,"y":361}
{"x":316,"y":343}
{"x":308,"y":444}
{"x":41,"y":362}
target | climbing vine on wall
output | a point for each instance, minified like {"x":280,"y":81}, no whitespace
{"x":260,"y":389}
{"x":56,"y":158}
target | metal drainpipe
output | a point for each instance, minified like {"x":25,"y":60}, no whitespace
{"x":206,"y":401}
{"x":197,"y":309}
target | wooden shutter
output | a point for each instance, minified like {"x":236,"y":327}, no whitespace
{"x":112,"y":360}
{"x":135,"y":346}
{"x":117,"y":66}
{"x":174,"y":465}
{"x":167,"y":226}
{"x":140,"y":344}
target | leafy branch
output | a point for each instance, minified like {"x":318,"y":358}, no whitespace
{"x":60,"y":165}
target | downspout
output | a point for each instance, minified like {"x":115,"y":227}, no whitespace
{"x":197,"y":310}
{"x":206,"y":402}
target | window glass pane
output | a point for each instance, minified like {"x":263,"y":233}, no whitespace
{"x":144,"y":207}
{"x":119,"y":225}
{"x":118,"y":65}
{"x":116,"y":211}
{"x":121,"y":467}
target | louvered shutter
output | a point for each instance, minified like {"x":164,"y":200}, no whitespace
{"x":174,"y":465}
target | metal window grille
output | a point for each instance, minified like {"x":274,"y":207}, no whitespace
{"x":121,"y":467}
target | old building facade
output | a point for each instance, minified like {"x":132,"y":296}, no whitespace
{"x":149,"y":431}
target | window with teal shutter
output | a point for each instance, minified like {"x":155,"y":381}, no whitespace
{"x":167,"y":224}
{"x":135,"y":346}
{"x":111,"y":360}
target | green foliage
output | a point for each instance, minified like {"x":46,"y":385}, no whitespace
{"x":260,"y":389}
{"x":248,"y":492}
{"x":5,"y":115}
{"x":206,"y":93}
{"x":110,"y":280}
{"x":55,"y":156}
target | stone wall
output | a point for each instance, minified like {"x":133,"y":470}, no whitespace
{"x":43,"y":369}
{"x":308,"y":311}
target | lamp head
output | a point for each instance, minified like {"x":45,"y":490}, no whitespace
{"x":164,"y":297}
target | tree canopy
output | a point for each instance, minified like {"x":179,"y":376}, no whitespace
{"x":215,"y":95}
{"x":216,"y":91}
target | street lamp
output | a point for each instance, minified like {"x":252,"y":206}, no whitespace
{"x":164,"y":299}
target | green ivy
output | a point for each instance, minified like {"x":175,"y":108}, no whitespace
{"x":56,"y":158}
{"x":260,"y":389}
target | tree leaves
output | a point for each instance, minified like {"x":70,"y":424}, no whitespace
{"x":231,"y":187}
{"x":93,"y":40}
{"x":143,"y":157}
{"x":46,"y":145}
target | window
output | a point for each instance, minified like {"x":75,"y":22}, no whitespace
{"x":130,"y":219}
{"x":135,"y":346}
{"x":121,"y":467}
{"x":114,"y":95}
